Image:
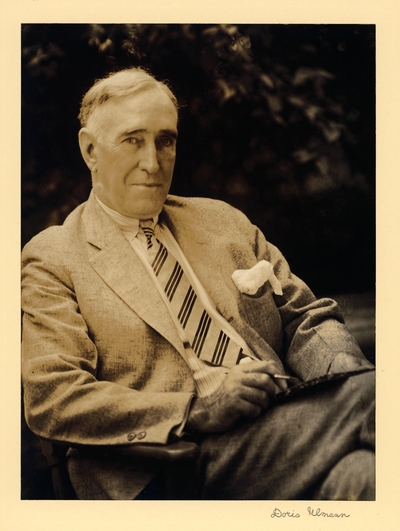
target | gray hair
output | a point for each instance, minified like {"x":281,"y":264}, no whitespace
{"x":122,"y":83}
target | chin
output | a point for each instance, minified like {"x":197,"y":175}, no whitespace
{"x":143,"y":213}
{"x":140,"y":209}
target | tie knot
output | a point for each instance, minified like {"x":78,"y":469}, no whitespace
{"x":147,"y":226}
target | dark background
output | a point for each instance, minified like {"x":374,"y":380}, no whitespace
{"x":277,"y":120}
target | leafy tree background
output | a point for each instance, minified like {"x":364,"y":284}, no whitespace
{"x":278,"y":120}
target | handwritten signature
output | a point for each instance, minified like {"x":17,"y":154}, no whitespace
{"x":277,"y":513}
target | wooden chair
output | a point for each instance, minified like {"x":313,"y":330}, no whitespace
{"x":177,"y":460}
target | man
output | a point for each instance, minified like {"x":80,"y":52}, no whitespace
{"x":149,"y":317}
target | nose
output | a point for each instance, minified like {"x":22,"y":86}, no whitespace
{"x":149,"y":158}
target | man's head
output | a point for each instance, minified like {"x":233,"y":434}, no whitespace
{"x":128,"y":141}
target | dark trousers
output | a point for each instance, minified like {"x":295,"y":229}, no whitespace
{"x":318,"y":444}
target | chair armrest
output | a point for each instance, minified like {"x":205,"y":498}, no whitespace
{"x":175,"y":451}
{"x":177,"y":460}
{"x":176,"y":463}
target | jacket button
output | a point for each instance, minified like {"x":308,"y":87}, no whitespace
{"x":131,"y":436}
{"x":141,"y":435}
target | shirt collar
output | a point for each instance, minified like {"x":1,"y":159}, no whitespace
{"x":125,"y":223}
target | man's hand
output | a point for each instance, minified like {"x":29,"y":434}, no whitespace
{"x":343,"y":362}
{"x":244,"y":393}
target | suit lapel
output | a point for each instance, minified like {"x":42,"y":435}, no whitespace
{"x":114,"y":260}
{"x":204,"y":255}
{"x":214,"y":271}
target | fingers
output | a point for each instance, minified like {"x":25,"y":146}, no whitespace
{"x":267,"y":367}
{"x":247,"y":389}
{"x":258,"y":397}
{"x":281,"y":384}
{"x":250,"y":409}
{"x":262,"y":382}
{"x":254,"y":388}
{"x":259,"y":380}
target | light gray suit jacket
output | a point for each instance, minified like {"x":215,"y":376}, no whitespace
{"x":102,"y":361}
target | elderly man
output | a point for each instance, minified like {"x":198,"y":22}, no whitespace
{"x":149,"y":317}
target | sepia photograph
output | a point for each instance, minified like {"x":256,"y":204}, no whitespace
{"x":198,"y":243}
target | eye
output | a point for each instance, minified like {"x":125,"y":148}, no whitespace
{"x":166,"y":141}
{"x":131,"y":140}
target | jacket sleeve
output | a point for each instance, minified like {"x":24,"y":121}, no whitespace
{"x":314,"y":332}
{"x":63,"y":399}
{"x":311,"y":331}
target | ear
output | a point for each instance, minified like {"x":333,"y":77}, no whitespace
{"x":87,"y":144}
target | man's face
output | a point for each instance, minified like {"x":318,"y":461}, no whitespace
{"x":134,"y":153}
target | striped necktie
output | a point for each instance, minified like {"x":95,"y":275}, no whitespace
{"x":204,"y":335}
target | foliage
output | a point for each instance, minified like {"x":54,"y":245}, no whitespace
{"x":277,"y":120}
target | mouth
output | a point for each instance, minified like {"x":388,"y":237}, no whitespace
{"x":146,"y":185}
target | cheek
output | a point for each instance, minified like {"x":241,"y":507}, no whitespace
{"x":167,"y":166}
{"x":110,"y":158}
{"x":108,"y":183}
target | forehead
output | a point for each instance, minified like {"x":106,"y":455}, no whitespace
{"x":150,"y":110}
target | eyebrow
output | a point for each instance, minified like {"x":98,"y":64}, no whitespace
{"x":170,"y":132}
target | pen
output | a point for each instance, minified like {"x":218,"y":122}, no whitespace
{"x":283,"y":377}
{"x":292,"y":379}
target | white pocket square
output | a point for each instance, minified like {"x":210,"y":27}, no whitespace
{"x":249,"y":281}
